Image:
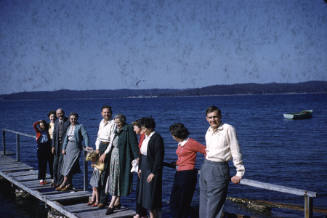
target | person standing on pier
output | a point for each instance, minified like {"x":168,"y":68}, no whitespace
{"x":186,"y":174}
{"x":140,"y":212}
{"x":105,"y":134}
{"x":221,"y":146}
{"x":124,"y":149}
{"x":52,"y":119}
{"x":152,"y":154}
{"x":59,"y":132}
{"x":43,"y":148}
{"x":71,"y":149}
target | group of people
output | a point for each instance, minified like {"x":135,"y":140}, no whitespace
{"x":119,"y":153}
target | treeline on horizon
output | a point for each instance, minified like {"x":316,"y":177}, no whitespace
{"x":235,"y":89}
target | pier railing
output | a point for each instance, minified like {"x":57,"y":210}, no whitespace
{"x":18,"y":134}
{"x":308,"y":195}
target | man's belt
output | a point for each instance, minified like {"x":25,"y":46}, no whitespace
{"x":105,"y":143}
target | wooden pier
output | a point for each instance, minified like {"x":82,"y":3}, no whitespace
{"x":69,"y":203}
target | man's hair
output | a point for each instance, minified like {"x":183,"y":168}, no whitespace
{"x":106,"y":106}
{"x":148,"y":122}
{"x":63,"y":112}
{"x":121,"y":118}
{"x":179,"y":131}
{"x":212,"y":109}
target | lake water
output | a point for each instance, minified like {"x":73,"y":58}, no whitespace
{"x":275,"y":150}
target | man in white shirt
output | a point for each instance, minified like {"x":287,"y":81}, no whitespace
{"x":105,"y":135}
{"x":221,"y":146}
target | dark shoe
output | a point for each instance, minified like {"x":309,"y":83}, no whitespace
{"x":101,"y":205}
{"x":117,"y":207}
{"x":109,"y":211}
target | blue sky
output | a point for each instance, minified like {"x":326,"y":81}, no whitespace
{"x":103,"y":44}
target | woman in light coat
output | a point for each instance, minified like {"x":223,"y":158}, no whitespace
{"x":71,"y":149}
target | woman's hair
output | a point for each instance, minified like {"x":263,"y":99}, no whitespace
{"x":74,"y":114}
{"x":92,"y":156}
{"x":148,"y":122}
{"x":179,"y":131}
{"x":45,"y":124}
{"x":138,"y":122}
{"x":121,"y":118}
{"x":52,"y":112}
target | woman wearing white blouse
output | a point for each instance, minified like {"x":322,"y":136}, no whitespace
{"x":152,"y":154}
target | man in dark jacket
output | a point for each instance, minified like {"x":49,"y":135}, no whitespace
{"x":59,"y":133}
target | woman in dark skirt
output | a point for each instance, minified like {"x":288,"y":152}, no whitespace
{"x":186,"y":174}
{"x":71,"y":149}
{"x":43,"y":149}
{"x":150,"y":172}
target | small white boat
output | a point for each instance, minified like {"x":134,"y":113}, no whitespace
{"x":306,"y":114}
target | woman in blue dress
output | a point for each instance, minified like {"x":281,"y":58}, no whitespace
{"x":71,"y":149}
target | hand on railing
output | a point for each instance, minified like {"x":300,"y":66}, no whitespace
{"x":236,"y":179}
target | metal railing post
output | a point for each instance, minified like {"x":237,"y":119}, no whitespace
{"x":308,"y":206}
{"x":85,"y":172}
{"x":4,"y":141}
{"x":17,"y":147}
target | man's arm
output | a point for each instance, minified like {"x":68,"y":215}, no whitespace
{"x":236,"y":155}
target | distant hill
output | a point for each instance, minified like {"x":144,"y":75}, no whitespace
{"x":254,"y":88}
{"x":236,"y":89}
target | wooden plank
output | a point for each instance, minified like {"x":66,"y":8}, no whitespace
{"x":4,"y":159}
{"x":30,"y":178}
{"x":48,"y":192}
{"x":69,"y":195}
{"x":23,"y":173}
{"x":99,"y":213}
{"x":9,"y":153}
{"x":83,"y":210}
{"x":81,"y":207}
{"x":15,"y":169}
{"x":35,"y":184}
{"x":41,"y":187}
{"x":4,"y":156}
{"x":278,"y":188}
{"x":13,"y":165}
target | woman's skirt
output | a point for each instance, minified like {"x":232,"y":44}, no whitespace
{"x":71,"y":159}
{"x":149,"y":194}
{"x":94,"y":181}
{"x":112,"y":185}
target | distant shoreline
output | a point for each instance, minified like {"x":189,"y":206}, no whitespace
{"x":142,"y":97}
{"x":311,"y":87}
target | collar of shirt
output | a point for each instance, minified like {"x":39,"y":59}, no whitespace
{"x":151,"y":134}
{"x":183,"y":142}
{"x":220,"y":128}
{"x":104,"y":123}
